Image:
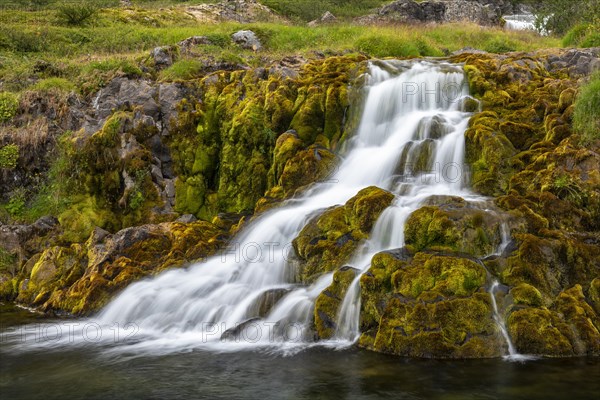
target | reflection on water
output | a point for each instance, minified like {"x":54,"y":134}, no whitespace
{"x":318,"y":373}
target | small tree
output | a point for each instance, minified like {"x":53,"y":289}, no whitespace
{"x":76,"y":14}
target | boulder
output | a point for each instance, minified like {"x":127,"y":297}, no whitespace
{"x":328,"y":303}
{"x":328,"y":240}
{"x":162,"y":56}
{"x":428,"y":305}
{"x":326,"y":18}
{"x":247,"y":40}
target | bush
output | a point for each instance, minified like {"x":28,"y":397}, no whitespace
{"x":9,"y":155}
{"x":16,"y":204}
{"x":9,"y":104}
{"x":575,"y":35}
{"x":499,"y":45}
{"x":76,"y":13}
{"x":586,"y":119}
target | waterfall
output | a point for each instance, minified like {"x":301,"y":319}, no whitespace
{"x":410,"y":141}
{"x":525,"y":22}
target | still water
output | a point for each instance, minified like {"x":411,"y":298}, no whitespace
{"x":314,"y":373}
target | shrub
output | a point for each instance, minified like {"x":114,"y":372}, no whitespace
{"x":575,"y":35}
{"x":586,"y":119}
{"x":76,"y":13}
{"x":16,"y":204}
{"x":9,"y":155}
{"x":499,"y":45}
{"x":9,"y":104}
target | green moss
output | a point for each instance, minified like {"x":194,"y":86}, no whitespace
{"x":329,"y":301}
{"x":9,"y":104}
{"x":182,"y":70}
{"x":9,"y":155}
{"x":328,"y":240}
{"x":451,"y":227}
{"x":50,"y":84}
{"x":527,"y":295}
{"x":427,"y":305}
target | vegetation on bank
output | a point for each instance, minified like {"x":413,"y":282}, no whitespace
{"x":41,"y":44}
{"x":586,"y":118}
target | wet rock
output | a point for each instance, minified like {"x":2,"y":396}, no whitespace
{"x":247,"y":40}
{"x":455,"y":225}
{"x":428,"y":305}
{"x":267,"y":300}
{"x":238,"y":331}
{"x":329,"y":239}
{"x":328,"y":303}
{"x":80,"y":278}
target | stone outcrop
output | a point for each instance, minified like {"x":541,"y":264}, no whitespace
{"x":482,"y":12}
{"x":243,"y":11}
{"x":80,"y":278}
{"x":329,"y":239}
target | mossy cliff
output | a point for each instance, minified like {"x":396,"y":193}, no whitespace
{"x":431,"y":298}
{"x":149,"y":152}
{"x":236,"y":142}
{"x":522,"y":151}
{"x":428,"y":304}
{"x":82,"y":277}
{"x":227,"y":150}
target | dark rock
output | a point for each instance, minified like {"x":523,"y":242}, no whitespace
{"x":267,"y":300}
{"x":235,"y":332}
{"x":162,"y":57}
{"x":186,"y":44}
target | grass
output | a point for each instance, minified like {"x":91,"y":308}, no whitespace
{"x":586,"y":119}
{"x":119,"y":41}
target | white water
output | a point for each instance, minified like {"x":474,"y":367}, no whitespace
{"x":409,"y":108}
{"x":524,"y":22}
{"x":181,"y":306}
{"x":513,"y":355}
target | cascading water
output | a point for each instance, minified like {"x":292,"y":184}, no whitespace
{"x":410,"y":141}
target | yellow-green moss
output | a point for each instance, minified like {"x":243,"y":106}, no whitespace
{"x":328,"y":240}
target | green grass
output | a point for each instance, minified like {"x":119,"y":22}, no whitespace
{"x":586,"y":119}
{"x":182,"y":70}
{"x":39,"y":46}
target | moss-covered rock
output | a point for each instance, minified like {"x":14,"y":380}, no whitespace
{"x":453,"y":225}
{"x":328,"y":303}
{"x":428,"y":305}
{"x":329,"y":239}
{"x":227,"y":149}
{"x":82,"y":277}
{"x":569,"y":327}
